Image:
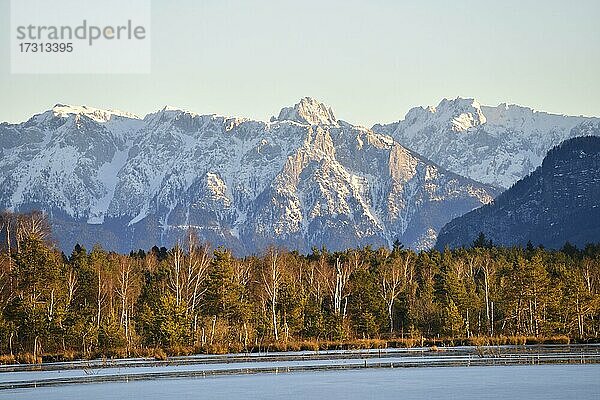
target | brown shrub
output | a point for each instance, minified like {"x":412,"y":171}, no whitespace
{"x":28,"y":358}
{"x":6,"y":359}
{"x":160,"y":354}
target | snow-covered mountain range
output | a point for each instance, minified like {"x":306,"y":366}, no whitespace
{"x":303,"y":179}
{"x":495,"y":145}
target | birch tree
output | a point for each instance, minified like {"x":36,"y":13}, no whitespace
{"x":271,"y":279}
{"x":394,"y":274}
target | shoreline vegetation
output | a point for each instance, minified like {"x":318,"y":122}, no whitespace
{"x":194,"y":299}
{"x":429,"y":344}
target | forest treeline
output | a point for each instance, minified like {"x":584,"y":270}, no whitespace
{"x":192,"y":298}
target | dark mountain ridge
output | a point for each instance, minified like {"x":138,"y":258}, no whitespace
{"x":558,"y":202}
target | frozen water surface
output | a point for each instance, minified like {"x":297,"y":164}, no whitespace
{"x":527,"y":372}
{"x":504,"y":382}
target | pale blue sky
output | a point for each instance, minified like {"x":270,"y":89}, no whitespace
{"x":370,"y":60}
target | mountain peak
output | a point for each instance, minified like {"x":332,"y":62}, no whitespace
{"x":171,"y":111}
{"x":97,"y":114}
{"x":173,"y":108}
{"x":461,"y":113}
{"x":465,"y":112}
{"x":460,"y":103}
{"x":167,"y":113}
{"x":308,"y":111}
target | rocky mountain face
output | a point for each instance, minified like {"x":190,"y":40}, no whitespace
{"x":303,"y":179}
{"x":495,"y":145}
{"x":558,"y":202}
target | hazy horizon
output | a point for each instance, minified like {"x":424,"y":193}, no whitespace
{"x":276,"y":112}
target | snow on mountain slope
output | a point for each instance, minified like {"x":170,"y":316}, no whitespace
{"x":65,"y":158}
{"x":495,"y":145}
{"x":303,"y":179}
{"x":307,"y":111}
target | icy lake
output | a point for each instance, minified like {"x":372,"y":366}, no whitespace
{"x":527,"y":372}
